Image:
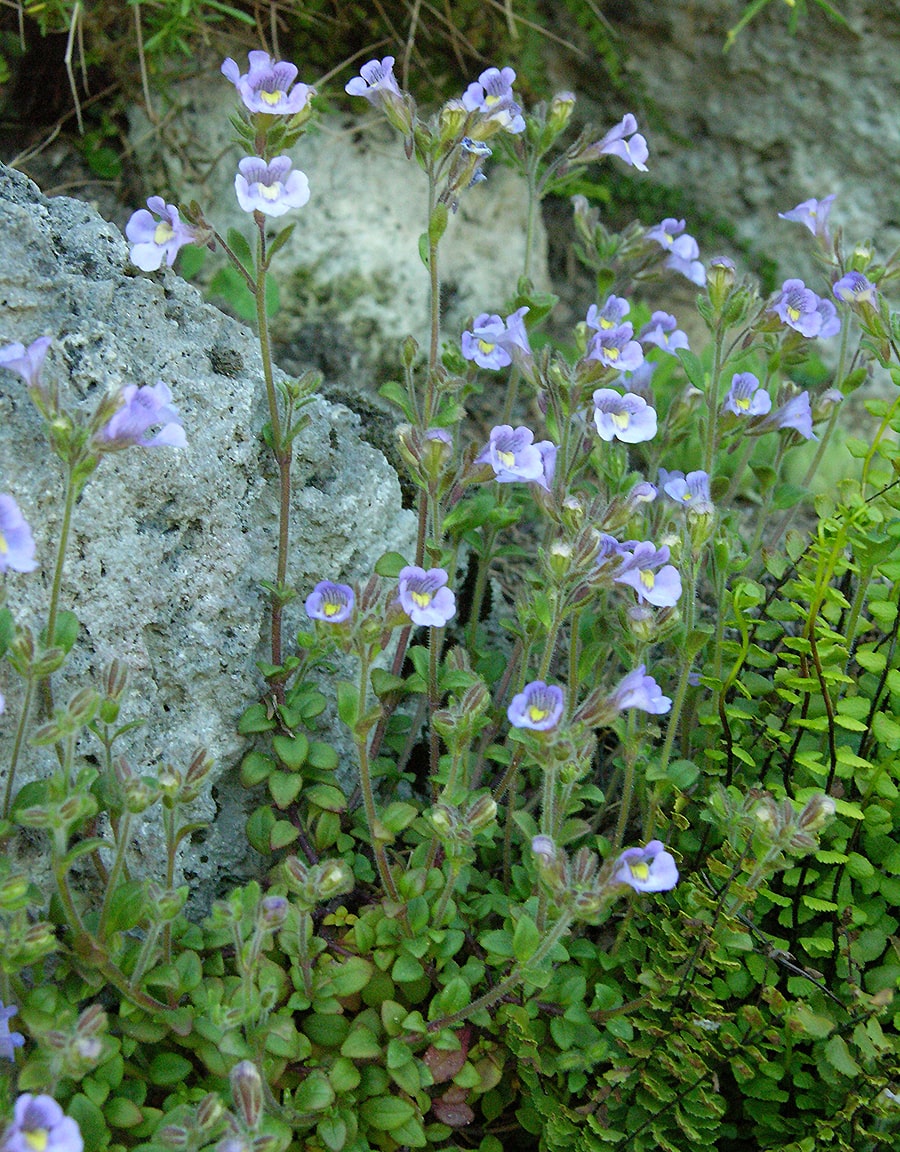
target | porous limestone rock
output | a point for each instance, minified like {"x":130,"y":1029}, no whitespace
{"x":169,"y":546}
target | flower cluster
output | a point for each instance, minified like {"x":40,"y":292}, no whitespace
{"x":492,"y":95}
{"x":423,"y":596}
{"x":683,"y":250}
{"x":157,"y":235}
{"x":142,"y":409}
{"x":647,"y":869}
{"x":268,"y":86}
{"x":645,"y":568}
{"x":628,"y":418}
{"x":613,"y":342}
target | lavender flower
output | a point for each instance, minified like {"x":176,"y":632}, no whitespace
{"x":539,"y":707}
{"x":831,"y":322}
{"x":374,"y":80}
{"x":330,"y":602}
{"x":852,"y":288}
{"x":663,"y":331}
{"x":628,"y":418}
{"x":141,"y":410}
{"x":611,"y":315}
{"x":153,"y":241}
{"x":513,"y":455}
{"x":492,"y":95}
{"x":272,"y":188}
{"x":648,"y":869}
{"x":267,"y":86}
{"x":683,"y":249}
{"x":638,"y":690}
{"x":745,"y":397}
{"x":26,"y":362}
{"x":544,"y":848}
{"x":645,"y":570}
{"x":40,"y":1125}
{"x":692,"y":490}
{"x":615,"y":348}
{"x":492,"y":341}
{"x":796,"y":413}
{"x":798,"y":307}
{"x":633,"y":150}
{"x":424,"y":598}
{"x":16,"y":541}
{"x":812,"y":214}
{"x":9,"y":1041}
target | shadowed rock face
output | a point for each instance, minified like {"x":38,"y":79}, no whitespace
{"x":169,"y":546}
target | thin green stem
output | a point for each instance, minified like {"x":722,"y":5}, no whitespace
{"x":712,"y":404}
{"x":441,"y":910}
{"x":123,"y":833}
{"x":304,"y":932}
{"x":515,"y":977}
{"x":630,"y":752}
{"x":368,"y":793}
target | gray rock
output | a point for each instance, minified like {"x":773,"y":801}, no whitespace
{"x":169,"y":546}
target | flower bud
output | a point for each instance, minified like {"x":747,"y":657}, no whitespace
{"x":210,"y":1111}
{"x":481,"y":814}
{"x":272,"y":912}
{"x":14,"y":893}
{"x":172,"y":1136}
{"x":82,"y":707}
{"x":560,"y":112}
{"x":450,"y":122}
{"x":720,"y":277}
{"x":333,"y":879}
{"x":92,"y":1021}
{"x":246,"y":1091}
{"x":443,"y":820}
{"x":818,"y":811}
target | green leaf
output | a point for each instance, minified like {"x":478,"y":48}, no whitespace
{"x":321,"y":756}
{"x":384,"y":682}
{"x":424,"y":249}
{"x":693,"y":368}
{"x":351,"y":976}
{"x":284,"y":788}
{"x":838,"y":1055}
{"x":259,"y":828}
{"x":386,"y":1113}
{"x":437,"y":225}
{"x":314,"y":1094}
{"x":169,"y":1068}
{"x":255,"y":767}
{"x":279,"y":242}
{"x":347,"y":702}
{"x":361,"y":1044}
{"x":291,"y":750}
{"x":255,"y":719}
{"x":394,"y":391}
{"x":406,"y":970}
{"x":390,"y":564}
{"x":332,"y":1131}
{"x":526,"y":939}
{"x":238,"y":244}
{"x":282,"y":834}
{"x":326,"y":796}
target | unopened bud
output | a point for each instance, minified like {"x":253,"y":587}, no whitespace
{"x":14,"y":893}
{"x":450,"y":121}
{"x":333,"y":879}
{"x":443,"y":820}
{"x":139,"y":795}
{"x":296,"y":872}
{"x":210,"y":1111}
{"x":720,"y":276}
{"x":172,"y":1136}
{"x":92,"y":1021}
{"x":481,"y":814}
{"x":272,"y":911}
{"x":82,"y":707}
{"x":246,"y":1091}
{"x":560,"y":111}
{"x":818,"y":811}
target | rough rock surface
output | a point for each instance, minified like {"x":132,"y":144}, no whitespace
{"x":778,"y":119}
{"x":169,"y":546}
{"x":350,"y":272}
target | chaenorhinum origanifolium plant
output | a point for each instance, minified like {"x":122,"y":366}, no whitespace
{"x":619,"y":860}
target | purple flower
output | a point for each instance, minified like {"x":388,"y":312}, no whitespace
{"x":141,"y":410}
{"x":663,"y":331}
{"x":513,"y":455}
{"x":330,"y":602}
{"x":153,"y":241}
{"x":539,"y":707}
{"x":272,"y":188}
{"x":267,"y":86}
{"x":26,"y":362}
{"x":798,"y":307}
{"x":609,"y":550}
{"x":9,"y":1041}
{"x":423,"y":596}
{"x":40,"y":1125}
{"x":492,"y":95}
{"x":646,"y":571}
{"x":16,"y":541}
{"x":610,"y":315}
{"x":374,"y":80}
{"x":649,"y":869}
{"x":638,"y":690}
{"x":745,"y":397}
{"x":852,"y":288}
{"x":544,"y":848}
{"x":812,"y":214}
{"x":633,"y":151}
{"x":683,"y":249}
{"x":640,"y":381}
{"x":796,"y":414}
{"x":831,"y":322}
{"x":692,"y":490}
{"x":492,"y":340}
{"x":628,"y":418}
{"x":615,"y":348}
